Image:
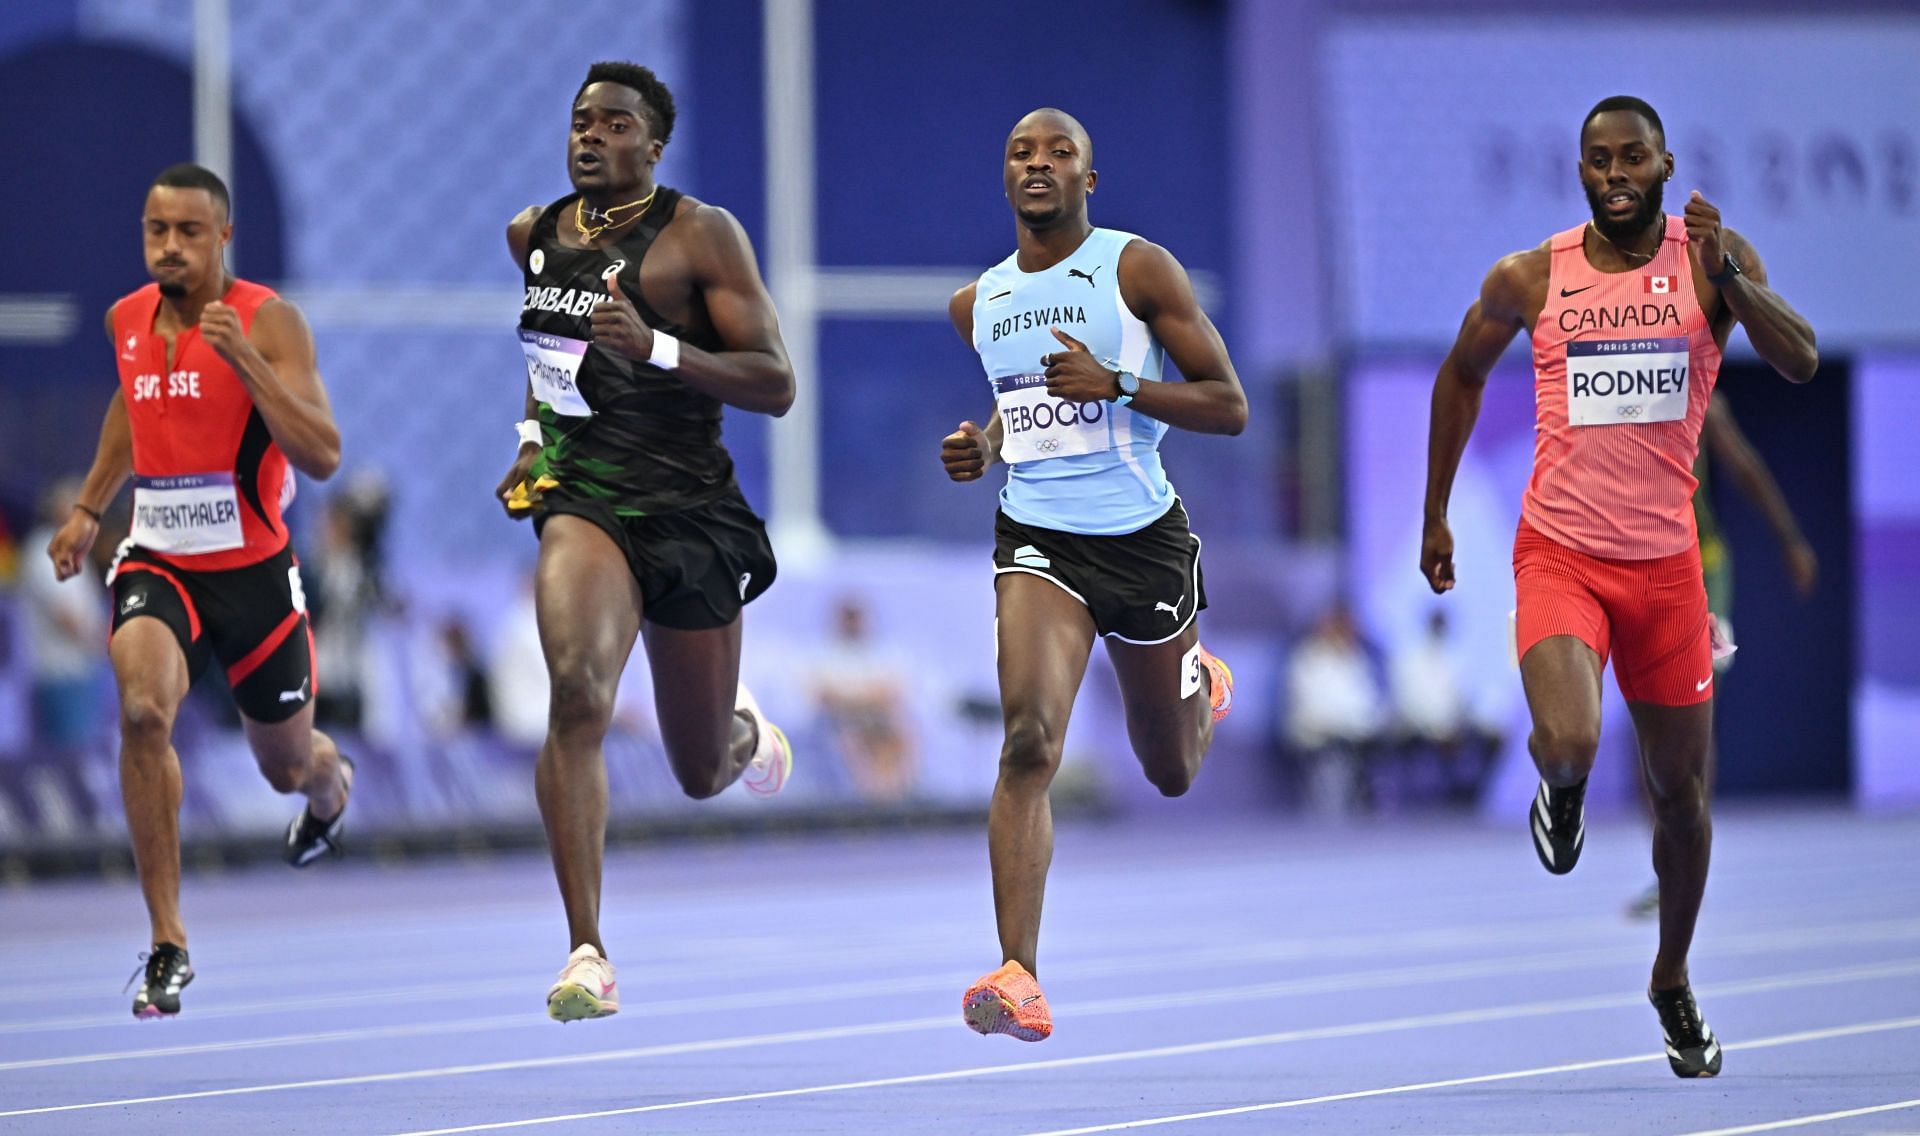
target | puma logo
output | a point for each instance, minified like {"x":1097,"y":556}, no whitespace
{"x":1170,"y":609}
{"x":1087,"y":276}
{"x":297,"y":694}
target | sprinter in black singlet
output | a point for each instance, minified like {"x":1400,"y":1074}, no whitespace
{"x":644,"y":313}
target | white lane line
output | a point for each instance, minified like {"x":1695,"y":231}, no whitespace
{"x":1783,"y":1039}
{"x":1134,"y":962}
{"x":946,"y":1021}
{"x":1456,"y":1082}
{"x":1801,"y":1121}
{"x":1351,"y":946}
{"x":1319,"y":984}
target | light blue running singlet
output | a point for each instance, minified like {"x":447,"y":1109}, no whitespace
{"x":1090,"y":467}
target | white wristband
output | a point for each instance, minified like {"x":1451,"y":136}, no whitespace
{"x":529,"y":432}
{"x":666,"y":351}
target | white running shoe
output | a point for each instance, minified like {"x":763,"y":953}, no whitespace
{"x":772,"y":760}
{"x":585,"y":990}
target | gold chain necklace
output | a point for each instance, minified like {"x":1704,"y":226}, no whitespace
{"x":1648,"y":256}
{"x":606,"y":216}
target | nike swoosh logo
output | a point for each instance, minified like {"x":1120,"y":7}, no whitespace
{"x":1702,"y":684}
{"x":1565,"y":292}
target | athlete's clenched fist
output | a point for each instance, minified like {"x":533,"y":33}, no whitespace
{"x":967,"y":452}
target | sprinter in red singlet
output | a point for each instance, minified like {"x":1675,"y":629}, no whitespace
{"x":218,"y":395}
{"x":1628,"y":314}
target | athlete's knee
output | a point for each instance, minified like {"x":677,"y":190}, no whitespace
{"x":699,"y":779}
{"x":1172,"y":777}
{"x":1679,"y":800}
{"x":1565,"y":753}
{"x":579,"y":699}
{"x":1032,"y":748}
{"x":283,"y":773}
{"x":146,"y":719}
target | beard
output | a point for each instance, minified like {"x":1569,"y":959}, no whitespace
{"x":174,"y":290}
{"x":1042,"y":216}
{"x":1636,"y":222}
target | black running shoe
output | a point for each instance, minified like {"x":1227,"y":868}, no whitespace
{"x":1559,"y":820}
{"x":309,"y":838}
{"x":1692,"y":1049}
{"x":167,"y":973}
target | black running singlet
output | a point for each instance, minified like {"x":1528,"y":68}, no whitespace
{"x":616,"y":429}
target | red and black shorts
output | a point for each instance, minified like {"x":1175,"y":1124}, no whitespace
{"x":252,"y":619}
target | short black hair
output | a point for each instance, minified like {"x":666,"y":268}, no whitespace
{"x":654,"y":93}
{"x":186,"y":175}
{"x":1625,"y":102}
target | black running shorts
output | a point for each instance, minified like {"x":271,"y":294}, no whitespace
{"x":697,"y":567}
{"x":252,"y":619}
{"x":1140,"y":587}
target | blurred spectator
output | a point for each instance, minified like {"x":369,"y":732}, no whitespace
{"x":344,"y":595}
{"x":1431,"y":714}
{"x":67,"y":645}
{"x":859,"y":693}
{"x":517,"y":673}
{"x":1335,"y":716}
{"x":67,"y":627}
{"x":451,"y":683}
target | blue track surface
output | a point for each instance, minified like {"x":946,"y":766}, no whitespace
{"x":1417,"y":977}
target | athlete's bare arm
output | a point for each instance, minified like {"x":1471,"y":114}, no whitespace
{"x":969,"y":450}
{"x":112,"y":465}
{"x":1157,"y":290}
{"x":1510,"y":299}
{"x":752,"y":371}
{"x":275,"y":359}
{"x":1735,"y":456}
{"x":519,"y":236}
{"x":1780,"y":335}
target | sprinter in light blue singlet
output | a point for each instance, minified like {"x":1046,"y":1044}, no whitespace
{"x":1073,"y":329}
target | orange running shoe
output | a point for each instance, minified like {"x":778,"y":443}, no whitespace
{"x":1221,"y":683}
{"x":1008,"y":1001}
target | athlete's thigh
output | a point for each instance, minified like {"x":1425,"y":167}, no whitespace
{"x":286,"y":741}
{"x":587,"y":602}
{"x":149,"y":666}
{"x":1676,"y":745}
{"x":257,"y":624}
{"x":1043,"y":637}
{"x":1663,"y":642}
{"x":1561,"y":677}
{"x":1157,"y":680}
{"x":695,"y":675}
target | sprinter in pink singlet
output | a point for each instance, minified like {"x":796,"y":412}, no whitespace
{"x":1628,"y":314}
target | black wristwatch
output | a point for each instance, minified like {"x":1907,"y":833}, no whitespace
{"x":1730,"y":268}
{"x":1129,"y":384}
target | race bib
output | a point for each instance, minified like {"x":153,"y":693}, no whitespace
{"x":1615,"y":382}
{"x":553,"y":370}
{"x":189,"y":513}
{"x":1036,"y":426}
